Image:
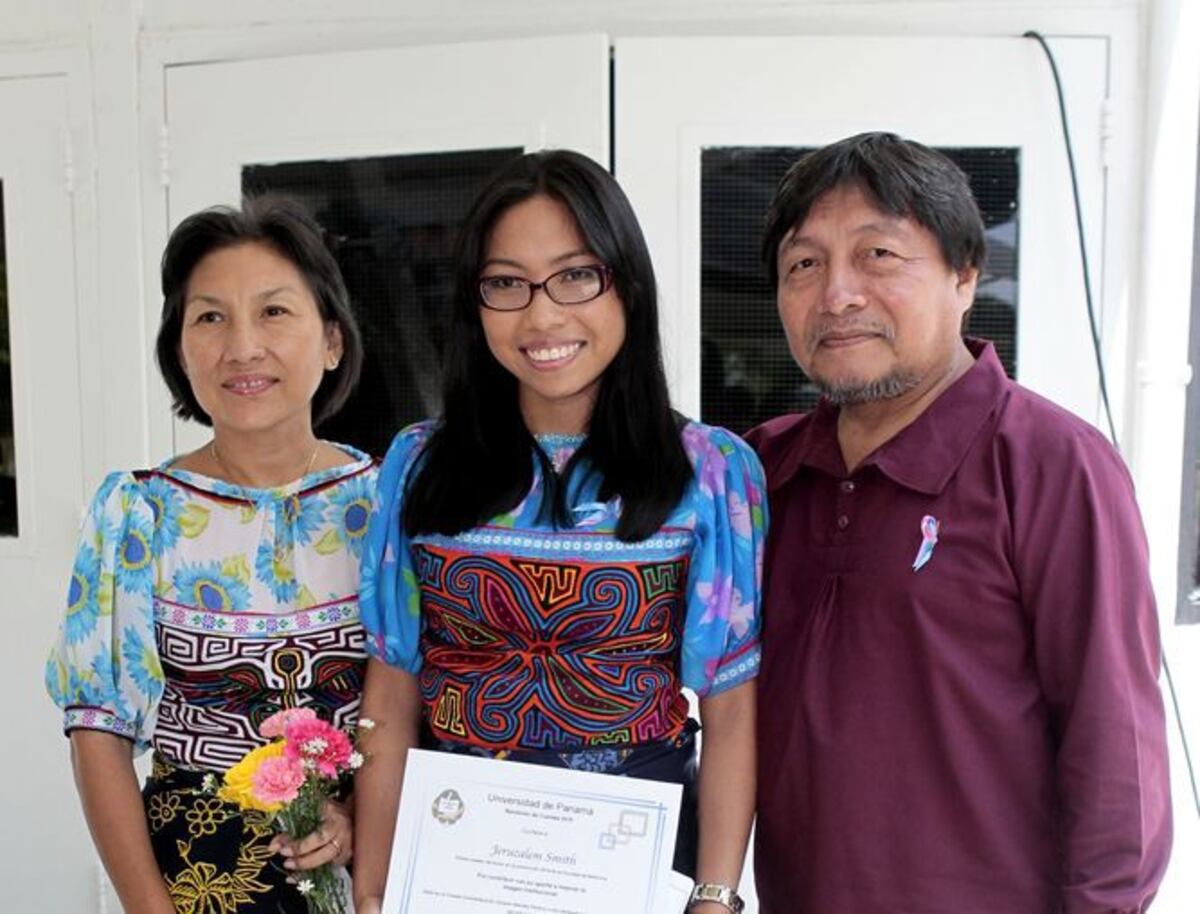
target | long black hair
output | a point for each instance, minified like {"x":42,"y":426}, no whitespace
{"x":479,"y":461}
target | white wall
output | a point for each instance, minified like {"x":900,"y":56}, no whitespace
{"x":1170,"y":122}
{"x":114,"y":52}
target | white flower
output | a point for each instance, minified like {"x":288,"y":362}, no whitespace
{"x":365,"y":723}
{"x":356,"y":761}
{"x":304,"y":886}
{"x":209,"y":784}
{"x":314,"y":746}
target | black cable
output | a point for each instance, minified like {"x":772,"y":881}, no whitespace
{"x":1091,"y":312}
{"x":1083,"y":257}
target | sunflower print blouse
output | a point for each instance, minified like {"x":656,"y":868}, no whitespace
{"x":197,"y":608}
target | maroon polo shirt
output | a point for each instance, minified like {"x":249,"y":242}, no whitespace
{"x":983,"y":734}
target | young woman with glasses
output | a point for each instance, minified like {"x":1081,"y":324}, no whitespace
{"x":552,"y":561}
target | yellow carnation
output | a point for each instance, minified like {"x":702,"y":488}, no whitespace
{"x":239,"y":780}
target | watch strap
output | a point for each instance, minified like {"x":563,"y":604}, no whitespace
{"x":721,"y":894}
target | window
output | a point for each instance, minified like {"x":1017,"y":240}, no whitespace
{"x":391,"y":222}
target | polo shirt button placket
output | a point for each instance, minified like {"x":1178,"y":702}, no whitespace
{"x":846,"y":489}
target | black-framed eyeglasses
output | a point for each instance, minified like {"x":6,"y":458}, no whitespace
{"x":572,"y":286}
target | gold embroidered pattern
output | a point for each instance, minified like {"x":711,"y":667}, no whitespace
{"x":200,"y":888}
{"x":205,"y":815}
{"x":161,"y":809}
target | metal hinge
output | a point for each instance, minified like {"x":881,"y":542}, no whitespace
{"x":68,"y":162}
{"x":164,"y":157}
{"x":1107,"y":128}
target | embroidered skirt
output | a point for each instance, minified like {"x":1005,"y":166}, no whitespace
{"x":672,"y":760}
{"x":214,"y":859}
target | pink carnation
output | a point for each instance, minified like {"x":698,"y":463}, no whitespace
{"x":277,"y":780}
{"x":318,"y":745}
{"x":274,"y":725}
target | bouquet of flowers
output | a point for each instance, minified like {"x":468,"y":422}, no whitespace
{"x":290,"y":779}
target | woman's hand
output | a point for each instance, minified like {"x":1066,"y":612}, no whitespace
{"x":333,"y":842}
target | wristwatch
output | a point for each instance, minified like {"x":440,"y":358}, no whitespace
{"x":721,"y":894}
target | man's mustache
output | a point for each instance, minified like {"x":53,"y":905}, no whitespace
{"x":825,"y":329}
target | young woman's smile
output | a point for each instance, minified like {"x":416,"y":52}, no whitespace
{"x":548,"y":356}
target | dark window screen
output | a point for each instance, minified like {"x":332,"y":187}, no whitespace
{"x":8,"y":457}
{"x":747,"y":373}
{"x":392,"y":222}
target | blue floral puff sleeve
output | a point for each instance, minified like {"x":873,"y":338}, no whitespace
{"x":389,"y":595}
{"x":728,"y":495}
{"x":104,"y":670}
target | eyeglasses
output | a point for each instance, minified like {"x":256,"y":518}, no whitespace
{"x":572,"y":286}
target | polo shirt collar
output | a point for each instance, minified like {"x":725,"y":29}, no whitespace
{"x":924,"y":455}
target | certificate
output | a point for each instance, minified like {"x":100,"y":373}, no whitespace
{"x":481,"y":835}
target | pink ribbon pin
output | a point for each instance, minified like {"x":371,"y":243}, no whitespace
{"x":929,"y":538}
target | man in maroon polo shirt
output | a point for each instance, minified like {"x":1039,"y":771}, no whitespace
{"x":958,"y":706}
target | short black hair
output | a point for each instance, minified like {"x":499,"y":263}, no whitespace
{"x":901,"y":176}
{"x":287,"y":228}
{"x":477,"y":463}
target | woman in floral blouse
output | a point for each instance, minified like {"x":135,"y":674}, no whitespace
{"x":222,"y":585}
{"x":557,"y":557}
